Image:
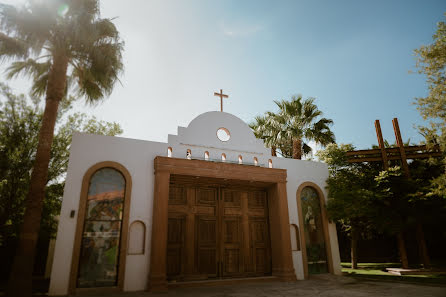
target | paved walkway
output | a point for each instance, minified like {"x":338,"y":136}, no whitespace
{"x":321,"y":286}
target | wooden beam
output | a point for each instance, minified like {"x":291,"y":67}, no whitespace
{"x":400,"y":144}
{"x":381,"y":145}
{"x":365,"y":159}
{"x":424,"y":155}
{"x":413,"y":156}
{"x":363,"y":152}
{"x":436,"y":148}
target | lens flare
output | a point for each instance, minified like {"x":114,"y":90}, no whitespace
{"x":63,"y":9}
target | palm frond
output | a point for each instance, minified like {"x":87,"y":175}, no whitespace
{"x":29,"y":67}
{"x":39,"y":86}
{"x":306,"y":149}
{"x":296,"y":119}
{"x":12,"y":48}
{"x":30,"y":24}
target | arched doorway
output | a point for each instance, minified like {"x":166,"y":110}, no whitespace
{"x":314,"y":230}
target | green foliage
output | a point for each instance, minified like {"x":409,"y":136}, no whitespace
{"x":20,"y":120}
{"x":393,"y":209}
{"x":431,"y":61}
{"x":364,"y":197}
{"x":350,"y":189}
{"x":334,"y":155}
{"x":40,"y":33}
{"x":297,"y":120}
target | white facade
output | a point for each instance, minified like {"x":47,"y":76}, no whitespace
{"x":137,"y":157}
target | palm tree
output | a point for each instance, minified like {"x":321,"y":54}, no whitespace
{"x":266,"y":132}
{"x":62,"y":45}
{"x":297,"y":122}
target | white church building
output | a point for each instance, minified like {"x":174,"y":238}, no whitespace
{"x":209,"y":205}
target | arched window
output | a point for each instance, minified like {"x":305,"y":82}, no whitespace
{"x":223,"y":157}
{"x":169,"y":152}
{"x":270,"y":163}
{"x":240,"y":159}
{"x":101,"y":236}
{"x":206,"y":155}
{"x":189,"y":154}
{"x":256,"y":162}
{"x":314,"y":231}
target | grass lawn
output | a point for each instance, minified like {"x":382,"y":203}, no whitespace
{"x":377,"y":271}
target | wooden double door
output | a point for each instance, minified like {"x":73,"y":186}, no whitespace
{"x":217,"y":232}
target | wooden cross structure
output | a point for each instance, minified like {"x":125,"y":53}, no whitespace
{"x":402,"y":152}
{"x":221,"y":95}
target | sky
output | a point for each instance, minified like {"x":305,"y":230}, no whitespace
{"x":354,"y":57}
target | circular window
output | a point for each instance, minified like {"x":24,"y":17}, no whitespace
{"x":223,"y":134}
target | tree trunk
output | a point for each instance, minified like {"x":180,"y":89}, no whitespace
{"x":297,"y":149}
{"x":20,"y":280}
{"x":273,"y":151}
{"x":402,"y":250}
{"x":422,"y":248}
{"x":354,"y":248}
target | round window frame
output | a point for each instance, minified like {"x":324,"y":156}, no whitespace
{"x":227,"y":133}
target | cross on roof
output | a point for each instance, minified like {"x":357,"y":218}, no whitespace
{"x":221,"y":95}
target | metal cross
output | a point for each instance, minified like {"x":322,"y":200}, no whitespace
{"x":221,"y":95}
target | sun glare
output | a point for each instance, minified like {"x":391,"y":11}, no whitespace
{"x":63,"y":9}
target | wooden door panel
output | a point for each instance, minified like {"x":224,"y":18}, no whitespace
{"x":260,"y":250}
{"x":231,"y":198}
{"x":232,"y":246}
{"x":231,"y":262}
{"x":206,"y":196}
{"x":175,"y":247}
{"x":259,"y":246}
{"x":177,"y":195}
{"x":257,"y":199}
{"x":206,"y":245}
{"x":231,"y":235}
{"x":216,"y":232}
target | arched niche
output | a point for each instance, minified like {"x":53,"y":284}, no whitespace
{"x":294,"y":234}
{"x":137,"y":238}
{"x":189,"y":154}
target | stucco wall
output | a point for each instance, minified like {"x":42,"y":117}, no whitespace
{"x":137,"y":157}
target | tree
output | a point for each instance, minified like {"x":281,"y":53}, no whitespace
{"x":350,"y":194}
{"x":290,"y":129}
{"x":366,"y":200}
{"x":266,"y":132}
{"x":431,"y":61}
{"x":62,"y":45}
{"x":19,"y":130}
{"x":393,"y":209}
